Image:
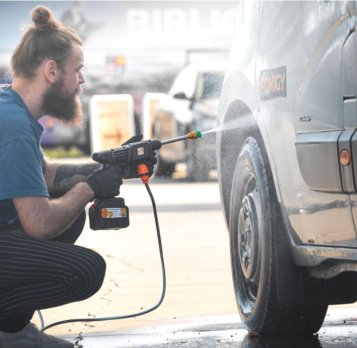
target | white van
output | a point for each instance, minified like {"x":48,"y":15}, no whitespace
{"x":287,"y":162}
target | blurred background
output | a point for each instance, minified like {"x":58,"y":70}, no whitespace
{"x":143,"y":71}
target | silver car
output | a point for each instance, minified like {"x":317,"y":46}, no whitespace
{"x":287,"y":162}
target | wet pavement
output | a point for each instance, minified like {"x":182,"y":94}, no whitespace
{"x":226,"y":331}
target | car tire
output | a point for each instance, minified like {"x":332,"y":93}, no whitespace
{"x":259,"y":257}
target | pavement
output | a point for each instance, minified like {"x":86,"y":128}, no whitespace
{"x":223,"y":331}
{"x":197,"y":263}
{"x":199,"y":310}
{"x":190,"y":332}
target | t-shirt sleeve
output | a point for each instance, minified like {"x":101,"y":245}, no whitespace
{"x":21,"y":172}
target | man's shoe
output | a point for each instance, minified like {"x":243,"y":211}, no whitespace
{"x":31,"y":337}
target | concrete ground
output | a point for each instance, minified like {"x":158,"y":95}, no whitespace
{"x":223,"y":331}
{"x":195,"y":245}
{"x":199,"y":309}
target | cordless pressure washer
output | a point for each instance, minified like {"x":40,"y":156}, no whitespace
{"x":112,"y":213}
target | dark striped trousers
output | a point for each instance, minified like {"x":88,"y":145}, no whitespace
{"x":38,"y":274}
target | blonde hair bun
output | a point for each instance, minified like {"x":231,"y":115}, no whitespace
{"x":43,"y":18}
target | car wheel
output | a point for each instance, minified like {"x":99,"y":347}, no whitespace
{"x":259,"y":257}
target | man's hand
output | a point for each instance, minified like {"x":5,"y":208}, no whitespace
{"x":105,"y":182}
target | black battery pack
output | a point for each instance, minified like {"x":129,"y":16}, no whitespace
{"x":108,"y":214}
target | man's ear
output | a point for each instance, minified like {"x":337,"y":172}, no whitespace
{"x":51,"y":71}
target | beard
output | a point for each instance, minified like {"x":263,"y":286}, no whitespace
{"x":66,"y":107}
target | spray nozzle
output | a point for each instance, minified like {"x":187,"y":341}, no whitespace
{"x":194,"y":134}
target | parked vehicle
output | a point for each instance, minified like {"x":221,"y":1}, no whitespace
{"x":286,"y":157}
{"x":192,"y":103}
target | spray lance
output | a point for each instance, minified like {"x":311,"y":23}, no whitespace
{"x":112,"y":213}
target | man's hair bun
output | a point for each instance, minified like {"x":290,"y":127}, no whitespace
{"x":43,"y":18}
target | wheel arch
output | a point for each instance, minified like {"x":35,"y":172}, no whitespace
{"x":232,"y":141}
{"x":266,"y":280}
{"x":238,"y":124}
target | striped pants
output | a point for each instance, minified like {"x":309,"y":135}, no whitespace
{"x":38,"y":274}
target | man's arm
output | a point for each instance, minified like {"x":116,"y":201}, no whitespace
{"x":60,"y":178}
{"x":45,"y":218}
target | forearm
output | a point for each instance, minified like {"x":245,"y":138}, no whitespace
{"x":45,"y":218}
{"x":64,"y":210}
{"x":60,"y":178}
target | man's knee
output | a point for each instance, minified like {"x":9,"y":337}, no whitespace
{"x":98,"y":270}
{"x":89,"y":272}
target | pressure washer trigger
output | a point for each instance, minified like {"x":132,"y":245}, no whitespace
{"x":144,"y":173}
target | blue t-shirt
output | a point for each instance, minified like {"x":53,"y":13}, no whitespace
{"x":21,"y":157}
